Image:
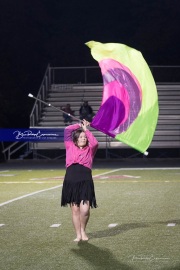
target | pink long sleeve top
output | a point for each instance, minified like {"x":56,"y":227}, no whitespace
{"x":74,"y":154}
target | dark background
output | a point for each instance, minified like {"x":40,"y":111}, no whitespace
{"x":37,"y":32}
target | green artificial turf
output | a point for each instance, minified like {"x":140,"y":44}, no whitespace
{"x":139,"y":203}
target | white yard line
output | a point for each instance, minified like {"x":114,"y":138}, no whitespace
{"x":28,"y":195}
{"x":97,"y":175}
{"x":36,"y":192}
{"x":146,"y":168}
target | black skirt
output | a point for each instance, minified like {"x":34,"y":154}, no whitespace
{"x":78,"y":186}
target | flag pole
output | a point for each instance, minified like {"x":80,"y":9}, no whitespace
{"x":50,"y":105}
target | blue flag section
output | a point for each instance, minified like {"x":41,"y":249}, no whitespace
{"x":32,"y":135}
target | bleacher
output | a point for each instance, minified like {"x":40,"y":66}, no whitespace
{"x":167,"y":134}
{"x":60,"y":95}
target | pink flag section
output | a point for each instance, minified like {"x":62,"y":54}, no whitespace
{"x":121,"y":101}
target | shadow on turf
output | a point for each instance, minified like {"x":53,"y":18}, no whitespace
{"x":176,"y":221}
{"x":126,"y":227}
{"x":99,"y":258}
{"x":117,"y":230}
{"x":103,"y":258}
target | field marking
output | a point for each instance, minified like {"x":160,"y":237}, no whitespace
{"x":28,"y":195}
{"x":102,"y":181}
{"x":36,"y":192}
{"x":112,"y":225}
{"x":171,"y":224}
{"x":97,"y":175}
{"x":145,"y":168}
{"x":55,"y":225}
{"x":135,"y":181}
{"x":94,"y":176}
{"x":19,"y":182}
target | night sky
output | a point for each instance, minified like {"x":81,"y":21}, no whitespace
{"x":37,"y":32}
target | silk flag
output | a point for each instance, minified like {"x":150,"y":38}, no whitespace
{"x":129,"y":108}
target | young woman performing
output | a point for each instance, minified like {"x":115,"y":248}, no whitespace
{"x":78,"y":187}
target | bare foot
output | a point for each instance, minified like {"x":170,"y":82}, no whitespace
{"x":77,"y":239}
{"x":84,"y":237}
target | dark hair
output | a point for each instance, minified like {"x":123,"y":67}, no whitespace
{"x":76,"y":135}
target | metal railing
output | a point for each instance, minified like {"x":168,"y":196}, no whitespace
{"x":14,"y":148}
{"x":42,"y":94}
{"x":92,"y":74}
{"x":89,"y":75}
